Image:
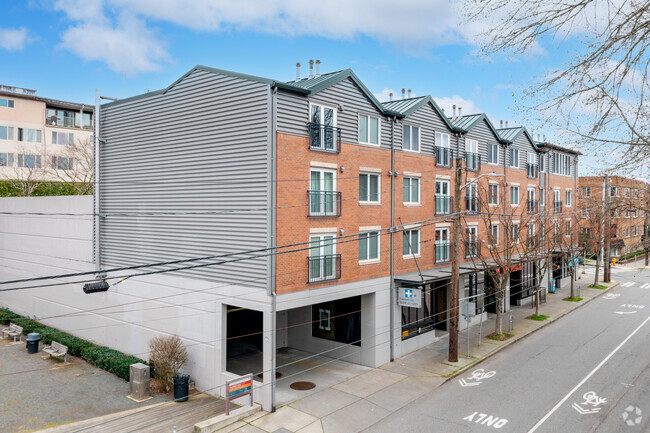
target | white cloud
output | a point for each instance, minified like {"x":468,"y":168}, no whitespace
{"x":447,"y":103}
{"x":124,"y":43}
{"x":384,"y":95}
{"x":13,"y":39}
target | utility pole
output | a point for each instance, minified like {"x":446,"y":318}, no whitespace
{"x":606,"y":228}
{"x":455,"y":271}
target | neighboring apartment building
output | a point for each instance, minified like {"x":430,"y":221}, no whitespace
{"x":322,"y":206}
{"x":36,"y":135}
{"x":627,"y":203}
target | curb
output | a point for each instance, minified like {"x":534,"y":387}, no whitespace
{"x":512,"y":341}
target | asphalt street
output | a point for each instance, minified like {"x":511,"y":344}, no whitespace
{"x":587,"y":372}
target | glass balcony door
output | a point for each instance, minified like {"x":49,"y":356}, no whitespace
{"x":322,"y":195}
{"x":322,"y":261}
{"x":323,"y":137}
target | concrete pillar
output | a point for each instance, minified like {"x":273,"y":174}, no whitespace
{"x":266,"y":397}
{"x":369,"y":330}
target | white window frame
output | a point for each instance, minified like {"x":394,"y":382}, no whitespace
{"x":440,"y":142}
{"x":587,"y":190}
{"x":320,"y":236}
{"x":491,"y":236}
{"x":512,"y":152}
{"x":636,"y":231}
{"x":369,"y":116}
{"x":518,"y":195}
{"x":496,"y":147}
{"x":568,"y":198}
{"x":512,"y":227}
{"x":10,"y":132}
{"x":412,"y":203}
{"x":490,"y":197}
{"x":378,"y":176}
{"x":411,"y":254}
{"x":10,"y":103}
{"x":411,"y":126}
{"x":436,"y":242}
{"x":367,"y":240}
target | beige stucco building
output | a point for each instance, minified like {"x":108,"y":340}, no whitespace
{"x":43,"y":138}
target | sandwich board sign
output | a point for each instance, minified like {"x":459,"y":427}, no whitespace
{"x":410,"y":297}
{"x":239,"y":387}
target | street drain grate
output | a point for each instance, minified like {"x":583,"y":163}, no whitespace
{"x":302,"y":386}
{"x":277,"y":375}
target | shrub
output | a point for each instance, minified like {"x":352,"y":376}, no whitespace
{"x":168,"y":355}
{"x":110,"y":360}
{"x":8,"y":316}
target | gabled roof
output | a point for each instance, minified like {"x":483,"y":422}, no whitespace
{"x":465,"y":123}
{"x":316,"y":84}
{"x":406,"y":107}
{"x":509,"y":135}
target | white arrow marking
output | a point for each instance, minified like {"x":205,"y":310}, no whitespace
{"x":464,"y":383}
{"x":582,"y":411}
{"x":624,"y":312}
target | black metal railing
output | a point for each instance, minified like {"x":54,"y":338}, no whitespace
{"x":557,"y":207}
{"x":324,"y":268}
{"x":472,"y":161}
{"x":471,"y":248}
{"x":532,"y":206}
{"x":444,"y":156}
{"x":532,"y":171}
{"x":444,"y":204}
{"x":324,"y":138}
{"x":442,"y":251}
{"x":324,"y":203}
{"x":472,"y":204}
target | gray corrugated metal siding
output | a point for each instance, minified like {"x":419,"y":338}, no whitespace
{"x":202,"y":146}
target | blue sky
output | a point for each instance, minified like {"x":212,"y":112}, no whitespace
{"x":66,"y":49}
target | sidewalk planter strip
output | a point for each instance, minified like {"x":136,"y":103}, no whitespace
{"x":538,"y":318}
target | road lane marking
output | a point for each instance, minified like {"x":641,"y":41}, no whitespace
{"x":590,"y":399}
{"x":611,"y":295}
{"x":628,"y":284}
{"x":645,"y":285}
{"x":582,"y":382}
{"x":476,"y":377}
{"x":485,"y":419}
{"x":624,"y":312}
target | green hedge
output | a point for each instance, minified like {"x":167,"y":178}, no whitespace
{"x":7,"y":189}
{"x":102,"y":357}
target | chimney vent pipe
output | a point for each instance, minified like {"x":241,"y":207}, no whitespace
{"x":409,"y":93}
{"x":390,"y":95}
{"x":298,"y":71}
{"x":506,"y":123}
{"x":454,"y":107}
{"x":403,"y":92}
{"x":318,"y":68}
{"x":311,"y":68}
{"x":501,"y":122}
{"x":459,"y":111}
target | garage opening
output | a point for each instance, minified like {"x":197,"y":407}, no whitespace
{"x":244,"y":331}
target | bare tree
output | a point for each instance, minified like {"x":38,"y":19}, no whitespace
{"x":73,"y":165}
{"x":505,"y":248}
{"x":28,"y":172}
{"x":565,"y":242}
{"x":600,"y":93}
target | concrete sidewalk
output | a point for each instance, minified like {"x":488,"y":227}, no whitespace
{"x":366,"y":399}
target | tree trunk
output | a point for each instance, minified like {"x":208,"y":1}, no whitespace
{"x":537,"y":300}
{"x":498,"y":327}
{"x":598,"y":257}
{"x":571,"y":273}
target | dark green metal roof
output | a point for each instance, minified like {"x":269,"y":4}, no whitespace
{"x":406,"y":107}
{"x":509,"y":135}
{"x":466,"y":123}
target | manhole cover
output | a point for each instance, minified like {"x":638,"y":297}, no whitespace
{"x":302,"y":386}
{"x":277,"y":375}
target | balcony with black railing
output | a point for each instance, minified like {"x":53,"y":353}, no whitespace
{"x":532,"y":206}
{"x":472,"y":161}
{"x":324,"y":268}
{"x":324,"y":138}
{"x":532,"y":171}
{"x":471,"y":248}
{"x":472,"y":204}
{"x":557,"y":207}
{"x":324,"y":203}
{"x":442,"y":251}
{"x":444,"y":156}
{"x":444,"y":204}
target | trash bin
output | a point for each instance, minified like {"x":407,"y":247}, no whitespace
{"x":181,"y":387}
{"x":33,"y":339}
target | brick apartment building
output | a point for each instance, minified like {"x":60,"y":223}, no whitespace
{"x":327,"y":205}
{"x":36,"y":135}
{"x":627,"y":204}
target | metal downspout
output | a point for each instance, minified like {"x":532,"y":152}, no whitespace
{"x":272,"y":294}
{"x":96,"y":185}
{"x":392,"y":240}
